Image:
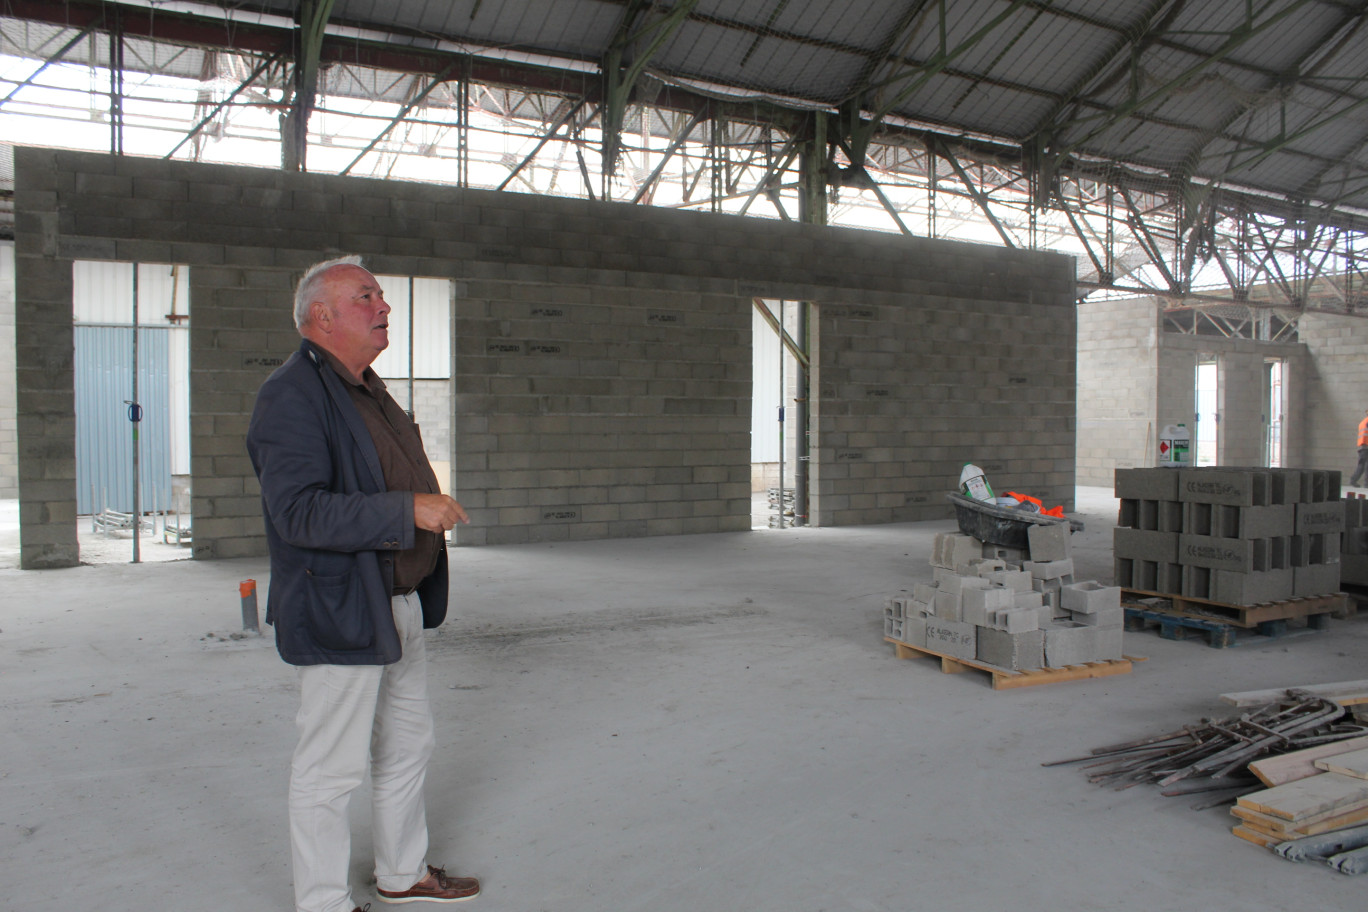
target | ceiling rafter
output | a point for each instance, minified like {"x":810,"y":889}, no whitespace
{"x":1096,"y":125}
{"x":1276,"y":91}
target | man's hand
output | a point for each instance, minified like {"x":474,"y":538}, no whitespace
{"x":437,"y":512}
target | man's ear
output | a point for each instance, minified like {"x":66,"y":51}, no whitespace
{"x":320,"y":315}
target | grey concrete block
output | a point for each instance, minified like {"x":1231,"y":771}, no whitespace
{"x":1049,"y":542}
{"x":1016,"y":580}
{"x":978,"y":606}
{"x":1147,"y":484}
{"x":1252,"y":588}
{"x":1002,"y":552}
{"x":1236,"y":487}
{"x":1135,"y":544}
{"x":953,"y":638}
{"x":1353,"y":569}
{"x":1198,"y":582}
{"x":924,"y":592}
{"x":1017,"y":651}
{"x":1238,"y":554}
{"x":1090,"y":597}
{"x":984,"y":567}
{"x":955,"y":550}
{"x":947,"y":605}
{"x":1316,"y":579}
{"x":1070,"y":645}
{"x":1109,"y":644}
{"x":1049,"y":570}
{"x":914,"y":630}
{"x":1104,"y":619}
{"x":1018,"y":620}
{"x":1028,"y":599}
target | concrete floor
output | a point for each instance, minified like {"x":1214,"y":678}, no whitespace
{"x":704,"y":722}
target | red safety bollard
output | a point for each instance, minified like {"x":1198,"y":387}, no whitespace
{"x":247,"y":589}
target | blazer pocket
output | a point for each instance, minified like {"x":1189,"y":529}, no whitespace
{"x":337,"y":614}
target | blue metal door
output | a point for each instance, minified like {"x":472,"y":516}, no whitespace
{"x":104,"y":433}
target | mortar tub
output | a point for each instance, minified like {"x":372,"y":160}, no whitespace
{"x":1001,"y":525}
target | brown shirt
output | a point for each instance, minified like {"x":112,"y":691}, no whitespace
{"x":404,"y":462}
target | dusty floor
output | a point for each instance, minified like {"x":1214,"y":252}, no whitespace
{"x":705,"y":722}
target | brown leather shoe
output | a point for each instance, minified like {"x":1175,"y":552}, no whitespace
{"x":444,"y":889}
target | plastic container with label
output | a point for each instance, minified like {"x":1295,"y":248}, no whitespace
{"x":1175,"y":447}
{"x":974,"y":483}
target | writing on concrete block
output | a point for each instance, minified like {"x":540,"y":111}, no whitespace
{"x":544,"y":349}
{"x":504,"y":348}
{"x":548,"y":312}
{"x":560,"y":515}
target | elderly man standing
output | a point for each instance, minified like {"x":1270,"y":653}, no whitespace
{"x":355,"y":523}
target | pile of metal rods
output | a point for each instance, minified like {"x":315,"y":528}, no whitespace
{"x":1215,"y":755}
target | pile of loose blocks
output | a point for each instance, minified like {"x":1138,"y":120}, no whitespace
{"x":1011,"y":608}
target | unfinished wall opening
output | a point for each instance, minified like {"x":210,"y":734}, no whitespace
{"x":779,"y":452}
{"x":132,"y":399}
{"x":416,"y":367}
{"x":1275,"y":405}
{"x":1206,"y":440}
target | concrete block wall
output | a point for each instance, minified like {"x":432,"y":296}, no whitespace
{"x":602,"y":356}
{"x":601,"y":411}
{"x":9,"y":438}
{"x":1117,"y":387}
{"x":1336,"y":394}
{"x":1134,"y":380}
{"x":908,"y":394}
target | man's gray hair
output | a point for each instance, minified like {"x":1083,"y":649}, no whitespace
{"x":307,"y":290}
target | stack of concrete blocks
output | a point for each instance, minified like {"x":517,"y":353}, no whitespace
{"x":1010,"y":608}
{"x":1354,"y":547}
{"x":1238,"y":536}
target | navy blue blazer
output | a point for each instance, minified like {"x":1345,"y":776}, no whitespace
{"x":331,"y":527}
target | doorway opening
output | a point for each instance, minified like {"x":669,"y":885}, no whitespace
{"x":131,"y":338}
{"x":1275,"y":403}
{"x":1206,"y":443}
{"x":417,"y":365}
{"x":779,"y":398}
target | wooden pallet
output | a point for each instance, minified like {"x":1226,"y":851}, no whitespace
{"x":1315,"y":609}
{"x":1217,"y":634}
{"x":1006,"y":678}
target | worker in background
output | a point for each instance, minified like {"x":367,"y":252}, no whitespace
{"x":355,"y":523}
{"x":1361,"y":471}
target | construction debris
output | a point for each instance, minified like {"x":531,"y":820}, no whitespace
{"x":1296,"y":769}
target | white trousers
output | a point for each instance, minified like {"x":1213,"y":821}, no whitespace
{"x":351,"y":716}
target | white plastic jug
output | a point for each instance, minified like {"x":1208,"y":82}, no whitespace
{"x":1175,"y":446}
{"x":974,"y":483}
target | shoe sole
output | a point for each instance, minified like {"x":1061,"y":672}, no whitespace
{"x":430,"y":899}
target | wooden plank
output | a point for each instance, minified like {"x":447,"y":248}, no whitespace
{"x":1345,"y":689}
{"x":1240,"y":615}
{"x":1353,"y":763}
{"x":1313,"y":795}
{"x":1006,"y":678}
{"x":1296,"y":765}
{"x":1260,"y":840}
{"x":1337,"y":819}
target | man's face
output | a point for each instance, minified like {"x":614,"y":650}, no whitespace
{"x":358,"y":326}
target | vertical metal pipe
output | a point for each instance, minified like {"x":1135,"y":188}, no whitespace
{"x":413,"y":406}
{"x":134,"y":416}
{"x":803,"y":439}
{"x":782,"y":391}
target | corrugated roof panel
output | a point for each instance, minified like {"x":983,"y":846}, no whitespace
{"x":765,"y":63}
{"x":979,"y":107}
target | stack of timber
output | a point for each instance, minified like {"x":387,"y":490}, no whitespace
{"x":1315,"y":804}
